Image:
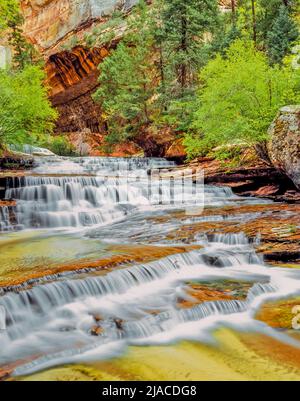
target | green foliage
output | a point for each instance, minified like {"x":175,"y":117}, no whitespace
{"x":229,"y":156}
{"x":70,"y":44}
{"x":59,"y":145}
{"x":239,"y":97}
{"x":269,"y":12}
{"x":25,"y":111}
{"x":282,"y":35}
{"x":196,"y":145}
{"x":225,"y":37}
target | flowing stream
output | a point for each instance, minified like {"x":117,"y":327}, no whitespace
{"x":79,"y":316}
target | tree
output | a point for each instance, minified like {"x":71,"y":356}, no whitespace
{"x":25,"y":111}
{"x":8,"y":11}
{"x":187,"y":26}
{"x":239,"y":97}
{"x":128,"y":81}
{"x":282,"y":35}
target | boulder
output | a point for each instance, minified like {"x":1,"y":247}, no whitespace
{"x":176,"y":151}
{"x":284,"y":144}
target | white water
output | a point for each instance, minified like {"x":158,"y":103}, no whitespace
{"x":54,"y":317}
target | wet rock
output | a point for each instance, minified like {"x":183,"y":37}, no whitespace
{"x":268,"y":190}
{"x":216,"y":291}
{"x":176,"y":151}
{"x":276,"y":225}
{"x":291,"y":196}
{"x":284,"y":146}
{"x":96,"y":331}
{"x":14,"y":162}
{"x":254,"y":177}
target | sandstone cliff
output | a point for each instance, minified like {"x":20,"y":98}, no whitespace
{"x":284,"y":145}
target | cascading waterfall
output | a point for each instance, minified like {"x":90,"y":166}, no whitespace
{"x":54,"y":317}
{"x":5,"y":219}
{"x":124,"y":186}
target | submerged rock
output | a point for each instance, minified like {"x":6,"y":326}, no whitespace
{"x":176,"y":151}
{"x":284,"y":146}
